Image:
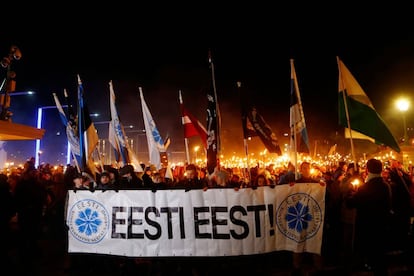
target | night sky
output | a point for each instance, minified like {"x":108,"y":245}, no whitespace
{"x":166,"y":52}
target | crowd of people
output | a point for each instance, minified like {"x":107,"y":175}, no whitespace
{"x":368,"y":209}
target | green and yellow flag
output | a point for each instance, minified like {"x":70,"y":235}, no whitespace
{"x":364,"y":121}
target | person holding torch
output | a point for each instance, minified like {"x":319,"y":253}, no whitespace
{"x":349,"y":181}
{"x":372,"y":201}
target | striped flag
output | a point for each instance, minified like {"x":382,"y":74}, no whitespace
{"x":192,"y":126}
{"x":362,"y":116}
{"x":298,"y":131}
{"x":88,"y":136}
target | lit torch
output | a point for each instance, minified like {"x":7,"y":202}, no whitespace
{"x":355,"y":183}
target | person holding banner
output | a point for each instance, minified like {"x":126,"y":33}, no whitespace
{"x":298,"y":259}
{"x":221,"y":179}
{"x":191,"y":179}
{"x":104,"y":182}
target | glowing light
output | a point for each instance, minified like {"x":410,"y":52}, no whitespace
{"x":403,"y":104}
{"x":355,"y":183}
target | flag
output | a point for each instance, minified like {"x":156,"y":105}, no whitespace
{"x":70,"y":109}
{"x":263,"y":130}
{"x":169,"y":173}
{"x":248,"y":129}
{"x":192,"y":126}
{"x":70,"y":132}
{"x":155,"y":142}
{"x":362,"y":115}
{"x":167,"y":142}
{"x":213,"y":124}
{"x":117,"y":138}
{"x":332,"y":150}
{"x":133,"y":160}
{"x":356,"y":135}
{"x":253,"y":124}
{"x":298,"y":131}
{"x":116,"y":131}
{"x":88,"y":136}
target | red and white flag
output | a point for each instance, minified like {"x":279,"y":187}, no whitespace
{"x":192,"y":126}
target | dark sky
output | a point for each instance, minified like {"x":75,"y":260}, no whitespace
{"x":164,"y":52}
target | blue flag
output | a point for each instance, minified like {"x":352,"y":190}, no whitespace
{"x":70,"y":132}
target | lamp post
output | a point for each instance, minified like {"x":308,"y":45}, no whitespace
{"x":39,"y":125}
{"x":403,"y":105}
{"x":139,"y":132}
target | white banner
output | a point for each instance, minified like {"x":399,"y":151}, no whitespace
{"x":216,"y":222}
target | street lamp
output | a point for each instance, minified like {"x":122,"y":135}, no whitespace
{"x":403,"y":105}
{"x":22,"y":93}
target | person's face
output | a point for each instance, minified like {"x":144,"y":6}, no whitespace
{"x":104,"y":179}
{"x":157,"y":178}
{"x":191,"y":174}
{"x":305,"y":169}
{"x":47,"y":176}
{"x":261,"y":181}
{"x":220,"y":179}
{"x":77,"y":182}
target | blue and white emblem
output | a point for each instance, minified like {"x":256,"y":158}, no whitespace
{"x":88,"y":221}
{"x":299,"y":217}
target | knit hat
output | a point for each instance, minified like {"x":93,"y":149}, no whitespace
{"x":104,"y":173}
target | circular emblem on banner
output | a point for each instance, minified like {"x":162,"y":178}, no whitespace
{"x":88,"y":221}
{"x":299,"y":217}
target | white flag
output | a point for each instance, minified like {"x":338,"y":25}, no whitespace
{"x":155,"y":142}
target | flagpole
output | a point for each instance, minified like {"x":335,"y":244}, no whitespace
{"x":80,"y":127}
{"x":218,"y":118}
{"x":70,"y":120}
{"x":99,"y":157}
{"x":76,"y":162}
{"x":187,"y":153}
{"x":293,"y":126}
{"x":246,"y":151}
{"x":347,"y":116}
